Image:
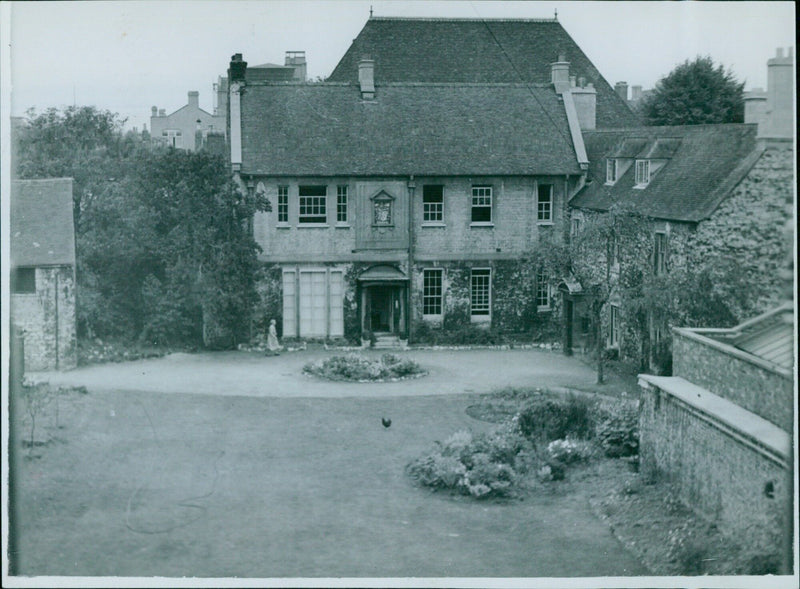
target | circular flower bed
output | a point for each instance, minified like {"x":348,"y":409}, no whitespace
{"x":357,"y":368}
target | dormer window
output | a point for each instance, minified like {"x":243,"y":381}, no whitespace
{"x":611,"y":171}
{"x":642,"y":173}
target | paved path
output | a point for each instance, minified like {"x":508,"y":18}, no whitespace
{"x":254,"y":375}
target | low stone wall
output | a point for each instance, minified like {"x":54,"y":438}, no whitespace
{"x":721,"y":471}
{"x":757,"y":389}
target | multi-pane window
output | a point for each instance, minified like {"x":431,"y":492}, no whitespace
{"x":480,"y":287}
{"x":283,"y":204}
{"x":432,"y":203}
{"x":642,"y":172}
{"x":432,"y":291}
{"x":613,"y":327}
{"x":23,"y":280}
{"x":481,"y":204}
{"x":341,"y":204}
{"x":542,"y":291}
{"x":611,"y":171}
{"x":613,"y":250}
{"x":575,"y":226}
{"x":172,"y":137}
{"x":544,"y":206}
{"x":660,"y":254}
{"x":312,"y":204}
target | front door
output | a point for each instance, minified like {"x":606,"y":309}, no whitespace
{"x":381,"y":309}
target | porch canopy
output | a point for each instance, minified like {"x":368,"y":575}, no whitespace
{"x":382,"y":273}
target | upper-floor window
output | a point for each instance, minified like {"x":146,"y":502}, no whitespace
{"x":642,"y":173}
{"x":172,"y":137}
{"x":283,"y":204}
{"x":432,"y":291}
{"x":611,"y":171}
{"x":613,"y":250}
{"x":23,"y":280}
{"x":432,"y":203}
{"x":481,"y":204}
{"x":341,"y":204}
{"x":613,"y":327}
{"x":480,"y":292}
{"x":544,"y":203}
{"x":313,"y":203}
{"x":660,"y":253}
{"x":542,"y":291}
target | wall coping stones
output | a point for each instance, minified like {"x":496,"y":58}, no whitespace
{"x":747,"y":427}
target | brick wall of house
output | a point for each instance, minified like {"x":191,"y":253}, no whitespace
{"x":754,"y":227}
{"x":47,"y":318}
{"x":715,"y":473}
{"x":757,"y":389}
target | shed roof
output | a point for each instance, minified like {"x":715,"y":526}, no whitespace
{"x":424,"y":129}
{"x":42,"y":229}
{"x":476,"y":50}
{"x":705,"y":162}
{"x":769,"y":336}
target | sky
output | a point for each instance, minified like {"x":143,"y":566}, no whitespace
{"x":129,"y":56}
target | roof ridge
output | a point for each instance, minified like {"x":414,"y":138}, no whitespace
{"x":54,"y":179}
{"x":294,"y":83}
{"x":459,"y":19}
{"x":681,"y":127}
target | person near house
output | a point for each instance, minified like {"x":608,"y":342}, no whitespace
{"x":273,"y":345}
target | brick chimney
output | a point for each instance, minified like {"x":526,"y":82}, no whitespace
{"x":755,"y":106}
{"x":585,"y":98}
{"x":621,"y":88}
{"x":366,"y":78}
{"x":559,"y":74}
{"x":153,"y":111}
{"x":778,"y":122}
{"x":194,"y":98}
{"x":636,"y":93}
{"x":237,"y":68}
{"x":297,"y":60}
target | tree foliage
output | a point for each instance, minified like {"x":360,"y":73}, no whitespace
{"x":695,"y":93}
{"x":164,"y":253}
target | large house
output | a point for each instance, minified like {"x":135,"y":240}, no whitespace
{"x":43,"y":272}
{"x":713,"y":194}
{"x":188,"y":127}
{"x":412,"y":190}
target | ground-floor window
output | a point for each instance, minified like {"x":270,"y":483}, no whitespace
{"x":542,"y":291}
{"x":432,"y":292}
{"x":23,"y":280}
{"x":313,"y":300}
{"x":480,"y":293}
{"x":613,"y":327}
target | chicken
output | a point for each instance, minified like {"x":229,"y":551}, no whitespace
{"x":386,"y":422}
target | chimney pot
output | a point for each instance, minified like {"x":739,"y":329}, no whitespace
{"x":162,"y":112}
{"x":779,"y":52}
{"x":153,"y":111}
{"x":581,"y":82}
{"x":572,"y":81}
{"x":237,"y":68}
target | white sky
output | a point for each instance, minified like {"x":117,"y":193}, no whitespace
{"x":129,"y":56}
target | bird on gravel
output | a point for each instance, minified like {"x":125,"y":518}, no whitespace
{"x":386,"y":422}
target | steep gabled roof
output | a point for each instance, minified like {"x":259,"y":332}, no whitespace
{"x":702,"y":164}
{"x":42,"y":231}
{"x":474,"y":50}
{"x":425,"y":129}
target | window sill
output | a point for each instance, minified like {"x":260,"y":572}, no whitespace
{"x":607,"y":183}
{"x":283,"y":226}
{"x":545,"y":223}
{"x":432,"y":318}
{"x":481,"y":224}
{"x":640,"y":186}
{"x":343,"y":225}
{"x":312,"y":225}
{"x":480,"y":318}
{"x":546,"y":309}
{"x":433,"y":224}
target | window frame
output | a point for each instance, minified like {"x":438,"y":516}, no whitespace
{"x":432,"y":301}
{"x":613,"y":326}
{"x":342,"y":205}
{"x":283,"y":205}
{"x":433,"y":209}
{"x":548,"y":218}
{"x":642,"y":179}
{"x":319,"y":201}
{"x":486,"y":200}
{"x":23,"y":280}
{"x":660,"y":253}
{"x":612,"y":171}
{"x":484,"y":310}
{"x":543,"y":281}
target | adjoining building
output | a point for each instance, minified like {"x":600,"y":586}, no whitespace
{"x":188,"y":127}
{"x":43,"y":272}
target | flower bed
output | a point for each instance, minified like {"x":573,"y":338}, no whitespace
{"x":358,"y":368}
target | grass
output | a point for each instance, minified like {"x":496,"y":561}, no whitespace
{"x":146,"y":484}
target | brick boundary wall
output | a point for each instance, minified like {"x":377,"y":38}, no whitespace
{"x":722,"y":472}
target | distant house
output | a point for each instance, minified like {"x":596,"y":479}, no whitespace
{"x":721,"y":428}
{"x":711,"y":192}
{"x":43,"y":272}
{"x":188,"y":127}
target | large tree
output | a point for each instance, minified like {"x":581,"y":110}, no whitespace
{"x":695,"y":93}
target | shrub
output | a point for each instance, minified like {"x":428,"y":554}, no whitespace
{"x":355,"y":367}
{"x":617,"y":428}
{"x":548,"y":418}
{"x":568,"y":451}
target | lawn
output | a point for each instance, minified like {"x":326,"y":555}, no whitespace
{"x":142,"y":484}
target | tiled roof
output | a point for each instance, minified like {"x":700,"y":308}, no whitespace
{"x":42,"y":231}
{"x":473,"y":50}
{"x":423,"y":129}
{"x":769,"y":336}
{"x":703,"y":163}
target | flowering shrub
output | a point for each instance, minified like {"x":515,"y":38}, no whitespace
{"x":482,"y":465}
{"x":355,"y":367}
{"x":568,"y":451}
{"x":616,"y":427}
